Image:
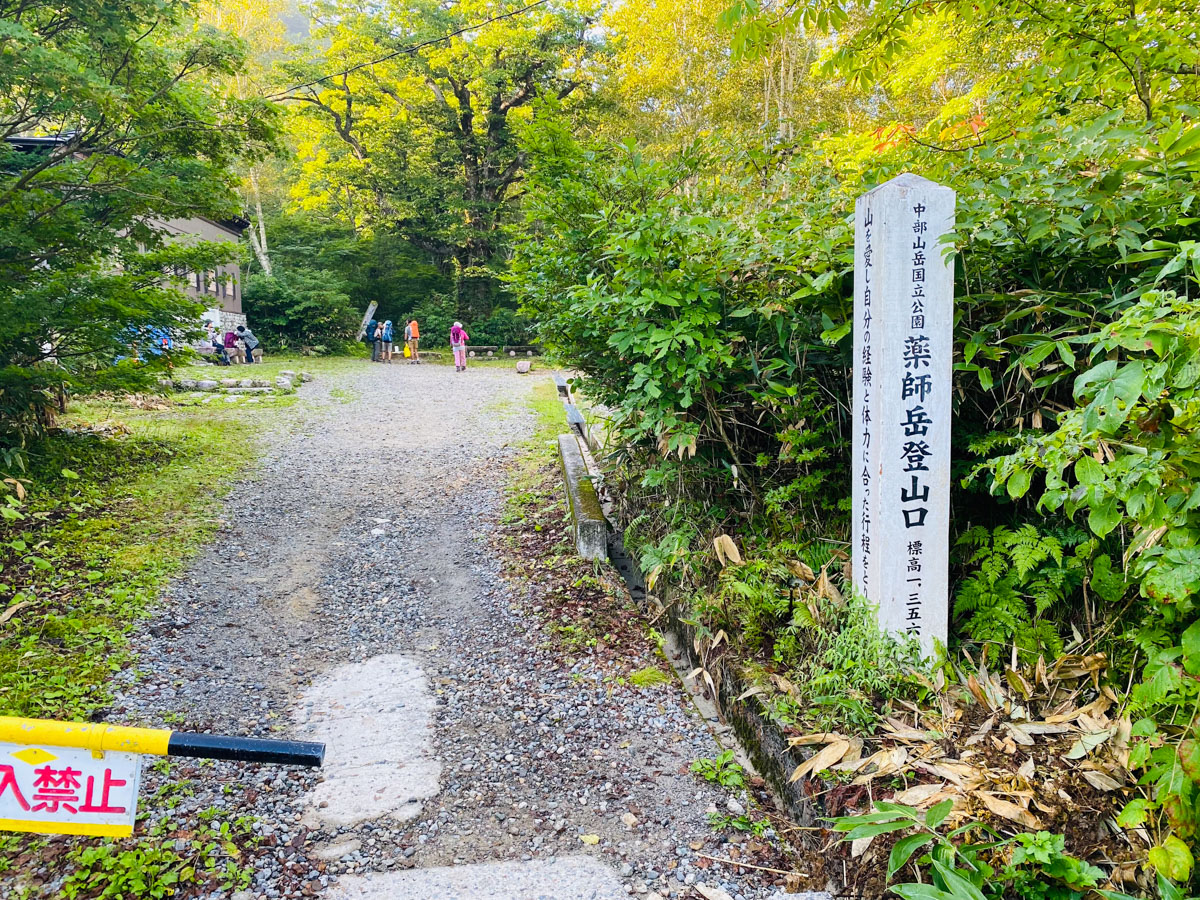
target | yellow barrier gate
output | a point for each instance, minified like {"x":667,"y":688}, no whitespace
{"x":83,"y":778}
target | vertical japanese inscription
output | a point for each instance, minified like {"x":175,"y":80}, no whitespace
{"x":865,"y":450}
{"x":903,"y":320}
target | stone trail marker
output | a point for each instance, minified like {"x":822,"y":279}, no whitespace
{"x":903,"y":342}
{"x":366,"y":320}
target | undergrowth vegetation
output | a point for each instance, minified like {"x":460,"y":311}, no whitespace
{"x":104,"y":511}
{"x":705,"y":296}
{"x":105,"y":508}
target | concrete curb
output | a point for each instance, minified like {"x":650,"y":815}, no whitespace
{"x":587,"y":515}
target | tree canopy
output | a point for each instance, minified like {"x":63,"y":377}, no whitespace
{"x":110,"y":128}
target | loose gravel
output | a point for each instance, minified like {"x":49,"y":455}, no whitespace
{"x":368,"y":532}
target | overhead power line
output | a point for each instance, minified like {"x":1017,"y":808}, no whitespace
{"x":413,"y":49}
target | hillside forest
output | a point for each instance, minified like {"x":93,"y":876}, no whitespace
{"x":661,"y":194}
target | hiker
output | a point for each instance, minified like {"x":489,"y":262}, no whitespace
{"x":232,"y":352}
{"x":458,"y":343}
{"x":249,"y":340}
{"x":412,"y":337}
{"x":212,"y":337}
{"x":387,"y":341}
{"x":377,"y":349}
{"x":369,"y":338}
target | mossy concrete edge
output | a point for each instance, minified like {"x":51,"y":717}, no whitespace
{"x":588,"y":524}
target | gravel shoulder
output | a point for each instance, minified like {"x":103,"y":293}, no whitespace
{"x":369,"y":547}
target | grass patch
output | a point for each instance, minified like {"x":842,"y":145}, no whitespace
{"x":649,"y":677}
{"x":273,"y":365}
{"x":114,"y":503}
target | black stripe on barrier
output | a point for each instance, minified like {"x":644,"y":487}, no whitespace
{"x":242,"y":749}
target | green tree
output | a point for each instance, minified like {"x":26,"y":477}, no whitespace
{"x":110,"y":128}
{"x":424,"y":143}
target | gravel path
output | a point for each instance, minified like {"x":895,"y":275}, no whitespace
{"x":355,"y":597}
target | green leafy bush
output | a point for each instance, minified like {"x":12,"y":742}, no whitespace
{"x":88,"y":268}
{"x":1017,"y":577}
{"x":1037,"y":866}
{"x":300,"y":308}
{"x":722,"y":770}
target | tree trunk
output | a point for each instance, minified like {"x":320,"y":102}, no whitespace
{"x":258,"y":241}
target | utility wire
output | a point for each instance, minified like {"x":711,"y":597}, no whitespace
{"x":413,"y":49}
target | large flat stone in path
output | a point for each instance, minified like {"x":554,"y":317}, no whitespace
{"x":374,"y":718}
{"x":567,"y":878}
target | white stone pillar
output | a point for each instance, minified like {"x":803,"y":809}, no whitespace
{"x":903,"y":342}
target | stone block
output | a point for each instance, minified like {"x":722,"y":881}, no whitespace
{"x":561,"y":384}
{"x":523,"y":366}
{"x":574,"y":416}
{"x":283,"y":382}
{"x":206,"y":385}
{"x":306,"y":376}
{"x":587,"y":515}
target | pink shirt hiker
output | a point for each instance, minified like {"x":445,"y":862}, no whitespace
{"x":458,"y":343}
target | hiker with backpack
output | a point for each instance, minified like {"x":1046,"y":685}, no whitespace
{"x":458,"y":343}
{"x":412,"y":338}
{"x":377,"y":349}
{"x":387,"y":341}
{"x":369,"y":338}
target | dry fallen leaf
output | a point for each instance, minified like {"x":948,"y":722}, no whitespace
{"x":824,"y":588}
{"x":977,"y":692}
{"x":1087,"y":743}
{"x":916,"y":796}
{"x":859,"y":847}
{"x":1019,"y":734}
{"x":12,"y":611}
{"x":727,"y":551}
{"x":800,"y":570}
{"x":962,"y":774}
{"x":888,"y":761}
{"x":823,"y":737}
{"x":1100,"y":781}
{"x":1008,"y":810}
{"x":590,"y":838}
{"x":982,"y":732}
{"x":903,"y":731}
{"x":823,"y":759}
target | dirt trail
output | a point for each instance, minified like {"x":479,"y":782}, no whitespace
{"x":354,"y":597}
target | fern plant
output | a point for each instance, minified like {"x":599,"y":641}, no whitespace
{"x":1019,"y":576}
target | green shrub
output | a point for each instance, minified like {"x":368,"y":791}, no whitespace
{"x":721,"y":770}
